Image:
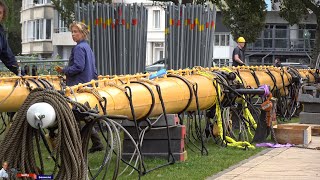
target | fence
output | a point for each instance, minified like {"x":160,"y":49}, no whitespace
{"x":189,"y":35}
{"x":118,"y":36}
{"x":41,"y":66}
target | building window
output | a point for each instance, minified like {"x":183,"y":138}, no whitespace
{"x":42,"y":1}
{"x":222,"y":40}
{"x":161,"y":54}
{"x":156,"y":19}
{"x":227,"y":40}
{"x":158,"y":50}
{"x":221,"y":62}
{"x":48,"y":29}
{"x":25,"y":32}
{"x":216,"y":40}
{"x":29,"y":30}
{"x":39,"y":29}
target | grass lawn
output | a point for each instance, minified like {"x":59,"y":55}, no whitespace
{"x":196,"y":166}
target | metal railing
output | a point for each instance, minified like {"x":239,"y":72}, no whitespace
{"x":61,"y":29}
{"x":43,"y":66}
{"x":284,"y":40}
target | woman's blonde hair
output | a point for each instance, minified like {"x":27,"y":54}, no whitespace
{"x":83,"y":28}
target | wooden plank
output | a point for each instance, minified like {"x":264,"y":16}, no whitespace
{"x":293,"y":134}
{"x":315,"y":128}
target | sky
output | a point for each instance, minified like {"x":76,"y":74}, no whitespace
{"x":268,"y":2}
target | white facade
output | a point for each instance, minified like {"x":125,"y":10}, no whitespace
{"x":156,"y":34}
{"x":223,"y":48}
{"x":37,"y":26}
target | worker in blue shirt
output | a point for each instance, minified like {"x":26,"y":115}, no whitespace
{"x":81,"y":68}
{"x":6,"y":54}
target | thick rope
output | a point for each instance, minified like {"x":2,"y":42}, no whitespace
{"x":17,"y":146}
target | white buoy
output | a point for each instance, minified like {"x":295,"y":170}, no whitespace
{"x":42,"y":114}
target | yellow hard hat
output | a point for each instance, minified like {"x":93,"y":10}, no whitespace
{"x":241,"y":40}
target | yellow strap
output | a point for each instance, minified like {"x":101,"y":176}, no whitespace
{"x":246,"y":113}
{"x":230,"y":142}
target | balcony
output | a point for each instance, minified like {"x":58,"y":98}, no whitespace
{"x":284,"y":40}
{"x":62,"y":37}
{"x":37,"y":47}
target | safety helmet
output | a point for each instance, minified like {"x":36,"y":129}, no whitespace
{"x":241,"y":40}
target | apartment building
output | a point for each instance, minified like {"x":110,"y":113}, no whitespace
{"x":223,"y":43}
{"x":37,"y":25}
{"x":45,"y":35}
{"x":277,"y":39}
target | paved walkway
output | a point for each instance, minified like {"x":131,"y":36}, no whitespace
{"x":279,"y":163}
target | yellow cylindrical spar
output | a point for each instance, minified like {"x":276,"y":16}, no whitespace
{"x":178,"y":92}
{"x":260,"y":75}
{"x":14,"y":90}
{"x":307,"y":74}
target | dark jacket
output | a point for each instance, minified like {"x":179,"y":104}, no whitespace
{"x":81,"y":67}
{"x":6,"y":54}
{"x":278,"y":64}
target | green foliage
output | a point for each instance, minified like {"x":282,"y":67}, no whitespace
{"x":66,"y":8}
{"x":294,"y":10}
{"x":243,"y":17}
{"x":14,"y":40}
{"x":13,"y":26}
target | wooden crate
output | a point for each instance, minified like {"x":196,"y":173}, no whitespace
{"x":315,"y":130}
{"x":293,"y":134}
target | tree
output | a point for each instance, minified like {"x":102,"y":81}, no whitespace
{"x":294,"y":10}
{"x":243,"y":17}
{"x":66,"y":7}
{"x":13,"y":26}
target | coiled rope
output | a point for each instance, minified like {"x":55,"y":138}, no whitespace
{"x":17,"y":146}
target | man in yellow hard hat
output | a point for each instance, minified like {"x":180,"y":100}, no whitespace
{"x":238,"y":52}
